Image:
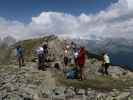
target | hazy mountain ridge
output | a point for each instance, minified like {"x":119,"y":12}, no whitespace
{"x":6,"y":49}
{"x":7,"y":41}
{"x":119,"y":49}
{"x":108,"y":44}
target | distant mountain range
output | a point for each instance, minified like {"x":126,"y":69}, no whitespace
{"x":9,"y":40}
{"x":5,"y":49}
{"x":119,"y":49}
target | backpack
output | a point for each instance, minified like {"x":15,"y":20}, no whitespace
{"x":72,"y":74}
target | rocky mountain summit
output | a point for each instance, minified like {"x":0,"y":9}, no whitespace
{"x":29,"y":83}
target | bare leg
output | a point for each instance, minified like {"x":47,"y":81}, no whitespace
{"x":23,"y":61}
{"x":82,"y":75}
{"x":19,"y":62}
{"x":65,"y":67}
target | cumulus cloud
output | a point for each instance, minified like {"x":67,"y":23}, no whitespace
{"x":13,"y":28}
{"x":116,"y":22}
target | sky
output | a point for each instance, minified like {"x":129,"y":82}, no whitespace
{"x":87,"y":19}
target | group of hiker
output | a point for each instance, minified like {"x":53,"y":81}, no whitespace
{"x":41,"y":52}
{"x":77,"y":55}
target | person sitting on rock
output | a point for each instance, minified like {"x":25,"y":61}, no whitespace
{"x":20,"y":55}
{"x":40,"y":54}
{"x":106,"y":63}
{"x":81,"y":62}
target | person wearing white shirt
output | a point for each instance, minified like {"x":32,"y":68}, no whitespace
{"x":76,"y":53}
{"x":39,"y":50}
{"x":106,"y":63}
{"x":40,"y":54}
{"x":106,"y":59}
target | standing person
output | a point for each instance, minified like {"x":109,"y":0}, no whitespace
{"x":76,"y":53}
{"x":73,"y":45}
{"x":45,"y":50}
{"x":65,"y":59}
{"x":40,"y":54}
{"x":106,"y":63}
{"x":20,"y":55}
{"x":81,"y":62}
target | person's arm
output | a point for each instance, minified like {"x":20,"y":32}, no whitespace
{"x":23,"y":50}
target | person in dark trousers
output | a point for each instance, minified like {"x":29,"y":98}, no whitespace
{"x":81,"y":62}
{"x":40,"y":54}
{"x":45,"y":50}
{"x":66,"y":59}
{"x":20,"y":55}
{"x":106,"y":63}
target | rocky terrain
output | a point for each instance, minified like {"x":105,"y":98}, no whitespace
{"x":29,"y":83}
{"x":5,"y":49}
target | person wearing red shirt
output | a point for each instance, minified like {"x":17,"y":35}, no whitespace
{"x":81,"y":62}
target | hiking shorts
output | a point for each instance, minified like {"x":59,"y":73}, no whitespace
{"x":20,"y":56}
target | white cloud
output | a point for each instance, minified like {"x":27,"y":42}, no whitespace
{"x":130,"y":4}
{"x":12,"y":28}
{"x":115,"y":21}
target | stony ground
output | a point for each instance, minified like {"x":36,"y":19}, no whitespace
{"x":28,"y":83}
{"x":25,"y":83}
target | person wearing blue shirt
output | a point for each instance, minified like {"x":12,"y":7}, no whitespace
{"x":20,"y":55}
